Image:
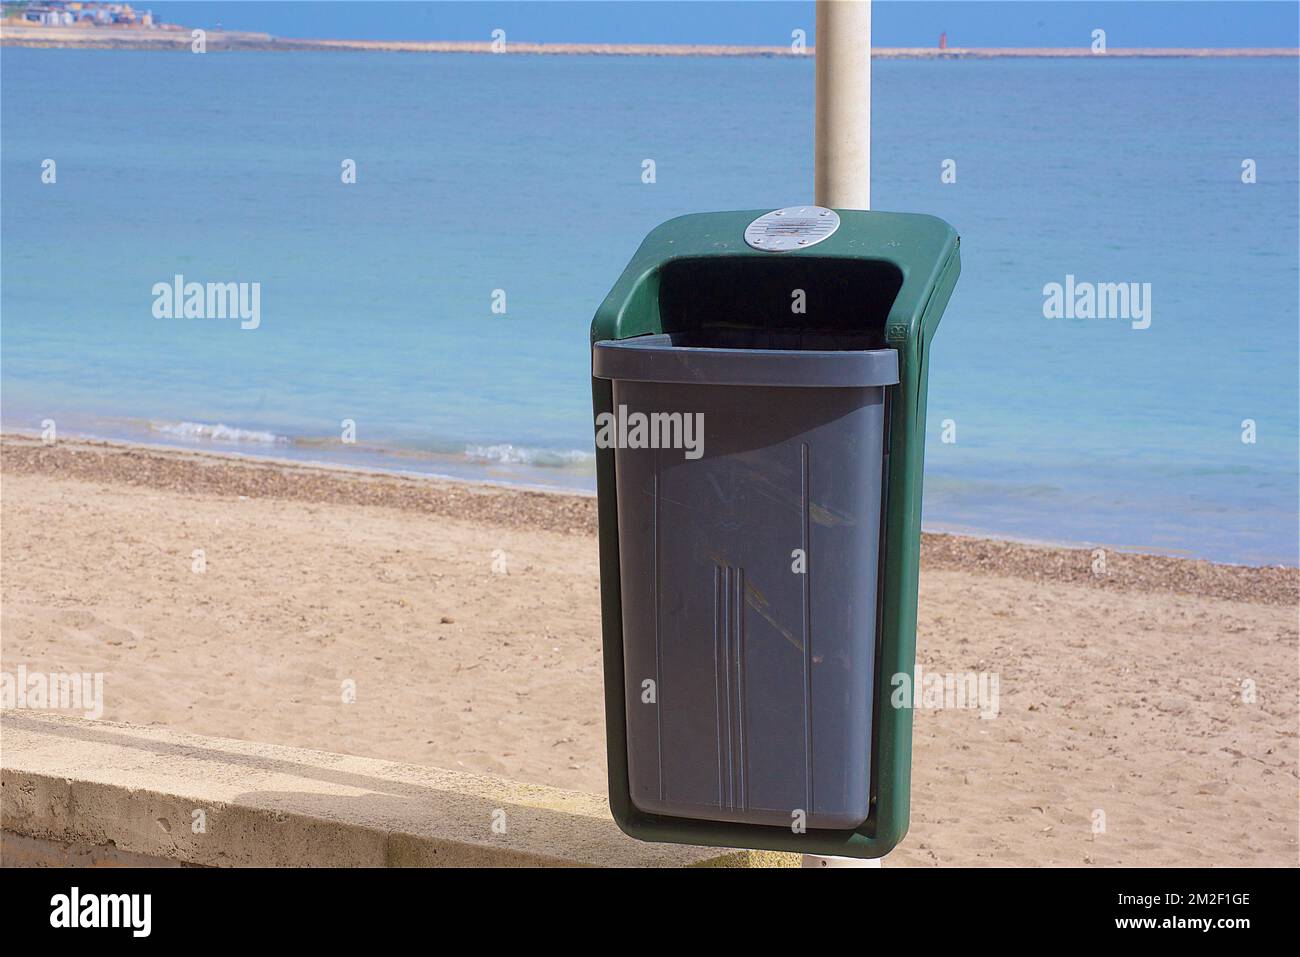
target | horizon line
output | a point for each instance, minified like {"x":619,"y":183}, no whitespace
{"x":174,"y":37}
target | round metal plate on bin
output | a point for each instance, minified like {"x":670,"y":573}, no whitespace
{"x":795,"y":227}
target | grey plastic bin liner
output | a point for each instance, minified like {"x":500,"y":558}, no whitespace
{"x":761,"y":701}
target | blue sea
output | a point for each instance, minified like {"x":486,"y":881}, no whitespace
{"x":524,"y":174}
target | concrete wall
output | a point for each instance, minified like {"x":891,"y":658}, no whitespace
{"x":92,"y":792}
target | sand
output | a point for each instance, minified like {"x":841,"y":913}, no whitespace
{"x":467,"y":618}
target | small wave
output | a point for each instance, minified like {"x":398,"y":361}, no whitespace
{"x":506,"y":454}
{"x":217,"y":433}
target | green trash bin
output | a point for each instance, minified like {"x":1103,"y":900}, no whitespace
{"x":747,"y":703}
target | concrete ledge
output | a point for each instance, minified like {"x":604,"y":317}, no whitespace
{"x":17,"y":850}
{"x":92,"y":791}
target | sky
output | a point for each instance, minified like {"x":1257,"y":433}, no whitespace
{"x":905,"y":23}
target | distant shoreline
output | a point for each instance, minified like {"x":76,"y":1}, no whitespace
{"x":107,"y":38}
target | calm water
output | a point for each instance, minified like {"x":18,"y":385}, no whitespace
{"x":478,"y":173}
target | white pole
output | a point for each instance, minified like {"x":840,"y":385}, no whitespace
{"x":843,"y":153}
{"x":843,"y":126}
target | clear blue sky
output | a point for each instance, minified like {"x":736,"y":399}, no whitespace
{"x":1176,"y":23}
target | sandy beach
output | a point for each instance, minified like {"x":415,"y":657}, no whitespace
{"x":238,"y":597}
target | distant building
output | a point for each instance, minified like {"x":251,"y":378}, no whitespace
{"x":55,"y":13}
{"x":49,"y":14}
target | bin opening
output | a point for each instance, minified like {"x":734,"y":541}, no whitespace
{"x":750,"y":302}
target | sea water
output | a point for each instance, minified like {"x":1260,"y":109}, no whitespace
{"x":433,"y":315}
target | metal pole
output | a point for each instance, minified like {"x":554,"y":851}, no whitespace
{"x":843,"y":152}
{"x":843,"y":125}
